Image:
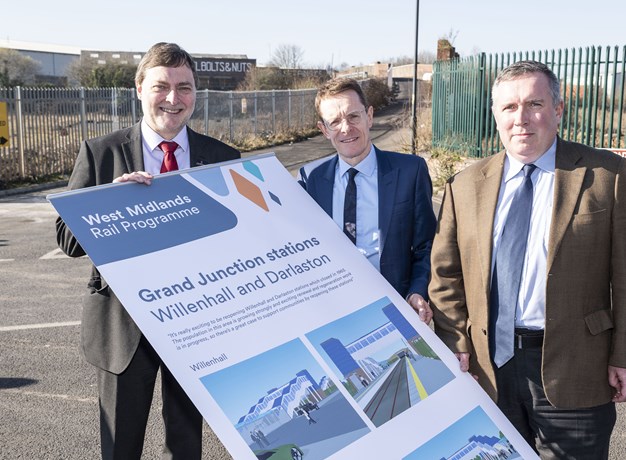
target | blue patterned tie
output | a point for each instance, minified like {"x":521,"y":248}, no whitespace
{"x":507,"y":271}
{"x":349,"y":207}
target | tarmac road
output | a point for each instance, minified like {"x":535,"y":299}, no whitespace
{"x":48,"y":395}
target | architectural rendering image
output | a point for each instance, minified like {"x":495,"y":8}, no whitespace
{"x":284,"y":405}
{"x":473,"y":437}
{"x":381,"y":360}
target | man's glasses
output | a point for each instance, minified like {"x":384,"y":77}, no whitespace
{"x":353,"y":118}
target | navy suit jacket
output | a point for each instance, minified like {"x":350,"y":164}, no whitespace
{"x":405,"y":215}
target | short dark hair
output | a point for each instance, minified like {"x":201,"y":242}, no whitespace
{"x":523,"y":68}
{"x":166,"y":55}
{"x":338,"y":86}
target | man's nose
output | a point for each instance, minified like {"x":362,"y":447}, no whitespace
{"x":172,"y":97}
{"x":521,"y":116}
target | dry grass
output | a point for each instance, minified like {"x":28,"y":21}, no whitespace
{"x":442,"y":163}
{"x":423,"y":132}
{"x":250,"y":142}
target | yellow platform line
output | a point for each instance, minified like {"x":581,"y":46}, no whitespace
{"x":418,"y":383}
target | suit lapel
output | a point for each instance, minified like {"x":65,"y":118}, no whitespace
{"x":387,"y":186}
{"x":198,"y":156}
{"x":568,"y":181}
{"x":486,"y":201}
{"x":325,"y":190}
{"x":133,"y":150}
{"x":194,"y":150}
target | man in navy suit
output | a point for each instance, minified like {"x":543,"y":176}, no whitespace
{"x":395,"y":223}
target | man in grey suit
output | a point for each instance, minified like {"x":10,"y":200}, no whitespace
{"x":541,"y":323}
{"x":126,"y":364}
{"x":394,"y":223}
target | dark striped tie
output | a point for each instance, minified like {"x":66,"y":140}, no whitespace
{"x":349,"y":207}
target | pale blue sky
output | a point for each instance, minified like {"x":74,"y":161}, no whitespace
{"x":329,"y":32}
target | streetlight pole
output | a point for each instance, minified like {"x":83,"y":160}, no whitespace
{"x":414,"y":98}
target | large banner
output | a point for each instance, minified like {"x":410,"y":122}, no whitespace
{"x":285,"y":337}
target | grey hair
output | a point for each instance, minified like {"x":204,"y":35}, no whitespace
{"x":523,"y":68}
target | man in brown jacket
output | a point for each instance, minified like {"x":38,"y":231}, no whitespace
{"x":529,"y":273}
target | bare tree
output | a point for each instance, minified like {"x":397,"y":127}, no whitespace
{"x":399,"y":60}
{"x":17,"y":69}
{"x":475,"y":51}
{"x":426,"y":57}
{"x":79,"y":72}
{"x":450,"y":35}
{"x":287,"y":57}
{"x":266,"y":78}
{"x":423,"y":57}
{"x":343,"y":66}
{"x":92,"y":74}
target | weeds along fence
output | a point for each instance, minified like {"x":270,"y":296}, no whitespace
{"x":592,"y":86}
{"x":47,"y":125}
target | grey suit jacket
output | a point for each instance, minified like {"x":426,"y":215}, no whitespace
{"x":108,"y":334}
{"x":405,"y":216}
{"x":585,"y":328}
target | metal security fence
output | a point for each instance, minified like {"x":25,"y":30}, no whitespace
{"x":235,"y":115}
{"x":592,"y":86}
{"x":47,"y":125}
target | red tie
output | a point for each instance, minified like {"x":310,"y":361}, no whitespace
{"x":169,"y":159}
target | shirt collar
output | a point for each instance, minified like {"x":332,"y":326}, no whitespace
{"x":545,"y":162}
{"x":152,"y":139}
{"x":366,"y":166}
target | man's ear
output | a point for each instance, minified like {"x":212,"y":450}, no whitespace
{"x":493,"y":114}
{"x":323,"y":129}
{"x":370,"y":116}
{"x":559,"y":110}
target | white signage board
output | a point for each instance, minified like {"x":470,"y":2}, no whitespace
{"x":285,"y":337}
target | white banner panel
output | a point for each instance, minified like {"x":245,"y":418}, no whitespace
{"x":285,"y":337}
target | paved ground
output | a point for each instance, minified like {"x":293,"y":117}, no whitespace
{"x":48,"y":397}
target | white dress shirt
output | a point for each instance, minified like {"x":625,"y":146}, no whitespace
{"x":153,"y":155}
{"x":531,"y":304}
{"x":367,"y":230}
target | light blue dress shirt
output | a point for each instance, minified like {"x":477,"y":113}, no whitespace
{"x":531,"y":304}
{"x":153,"y":155}
{"x":367,"y":229}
